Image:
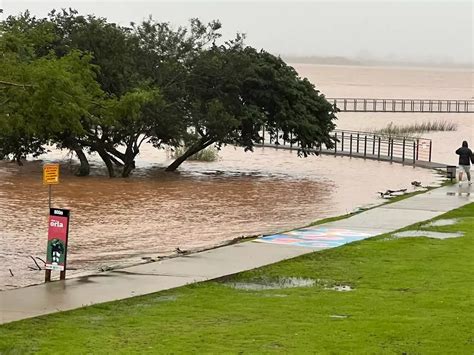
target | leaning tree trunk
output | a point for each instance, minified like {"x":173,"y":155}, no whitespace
{"x":127,"y":169}
{"x":84,"y":169}
{"x":129,"y":164}
{"x":108,"y":162}
{"x":18,"y":160}
{"x":192,"y":150}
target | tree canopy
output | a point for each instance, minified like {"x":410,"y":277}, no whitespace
{"x":87,"y":85}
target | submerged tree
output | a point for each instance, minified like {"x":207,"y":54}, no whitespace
{"x":40,"y":96}
{"x":235,"y":90}
{"x":142,"y":70}
{"x":88,"y":85}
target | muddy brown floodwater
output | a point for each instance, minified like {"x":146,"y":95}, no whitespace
{"x":119,"y":221}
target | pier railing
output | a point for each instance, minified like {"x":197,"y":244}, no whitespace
{"x":402,"y":105}
{"x":382,"y":147}
{"x":367,"y":145}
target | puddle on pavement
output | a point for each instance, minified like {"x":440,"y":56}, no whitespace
{"x":442,"y":223}
{"x":341,"y":288}
{"x":435,"y":235}
{"x":272,"y":284}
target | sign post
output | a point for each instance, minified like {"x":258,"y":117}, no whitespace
{"x":50,"y":177}
{"x":58,"y":230}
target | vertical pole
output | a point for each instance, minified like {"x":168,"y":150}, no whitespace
{"x":403,"y":154}
{"x":62,"y":274}
{"x":431,"y":146}
{"x":373,"y":146}
{"x":391,"y":148}
{"x":378,"y":150}
{"x":291,"y":139}
{"x":47,"y":273}
{"x":49,"y":197}
{"x":357,"y":142}
{"x":350,"y":149}
{"x":365,"y":146}
{"x":414,"y":152}
{"x":342,"y":141}
{"x":335,"y":143}
{"x":417,"y":148}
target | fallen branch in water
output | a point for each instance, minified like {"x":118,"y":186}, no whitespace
{"x":37,"y":265}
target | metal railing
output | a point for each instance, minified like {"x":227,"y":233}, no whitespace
{"x":363,"y":145}
{"x":382,"y":147}
{"x":402,"y":105}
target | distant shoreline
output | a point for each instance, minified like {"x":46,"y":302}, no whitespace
{"x":373,"y":63}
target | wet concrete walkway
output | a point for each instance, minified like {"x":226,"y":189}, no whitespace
{"x":170,"y":273}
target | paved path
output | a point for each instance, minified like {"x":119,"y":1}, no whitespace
{"x":153,"y":277}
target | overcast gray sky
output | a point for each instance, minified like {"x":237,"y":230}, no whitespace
{"x":404,"y":30}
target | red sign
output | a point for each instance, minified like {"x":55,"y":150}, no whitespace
{"x":58,"y":229}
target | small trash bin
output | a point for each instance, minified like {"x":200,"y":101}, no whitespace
{"x":451,"y":172}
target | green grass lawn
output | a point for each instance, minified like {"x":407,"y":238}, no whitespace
{"x":411,"y":295}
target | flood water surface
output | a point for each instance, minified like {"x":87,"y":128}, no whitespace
{"x":119,"y":221}
{"x":115,"y":221}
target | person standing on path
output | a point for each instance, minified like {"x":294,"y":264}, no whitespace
{"x":465,"y":159}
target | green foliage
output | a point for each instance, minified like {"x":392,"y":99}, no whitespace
{"x":40,"y":97}
{"x":85,"y":84}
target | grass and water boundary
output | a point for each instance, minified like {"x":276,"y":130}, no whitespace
{"x":410,"y":295}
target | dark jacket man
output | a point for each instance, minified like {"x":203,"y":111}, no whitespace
{"x":465,"y":155}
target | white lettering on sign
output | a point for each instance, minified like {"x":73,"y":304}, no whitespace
{"x":59,"y":212}
{"x":56,"y":224}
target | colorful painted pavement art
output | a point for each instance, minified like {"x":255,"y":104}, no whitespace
{"x":317,"y":237}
